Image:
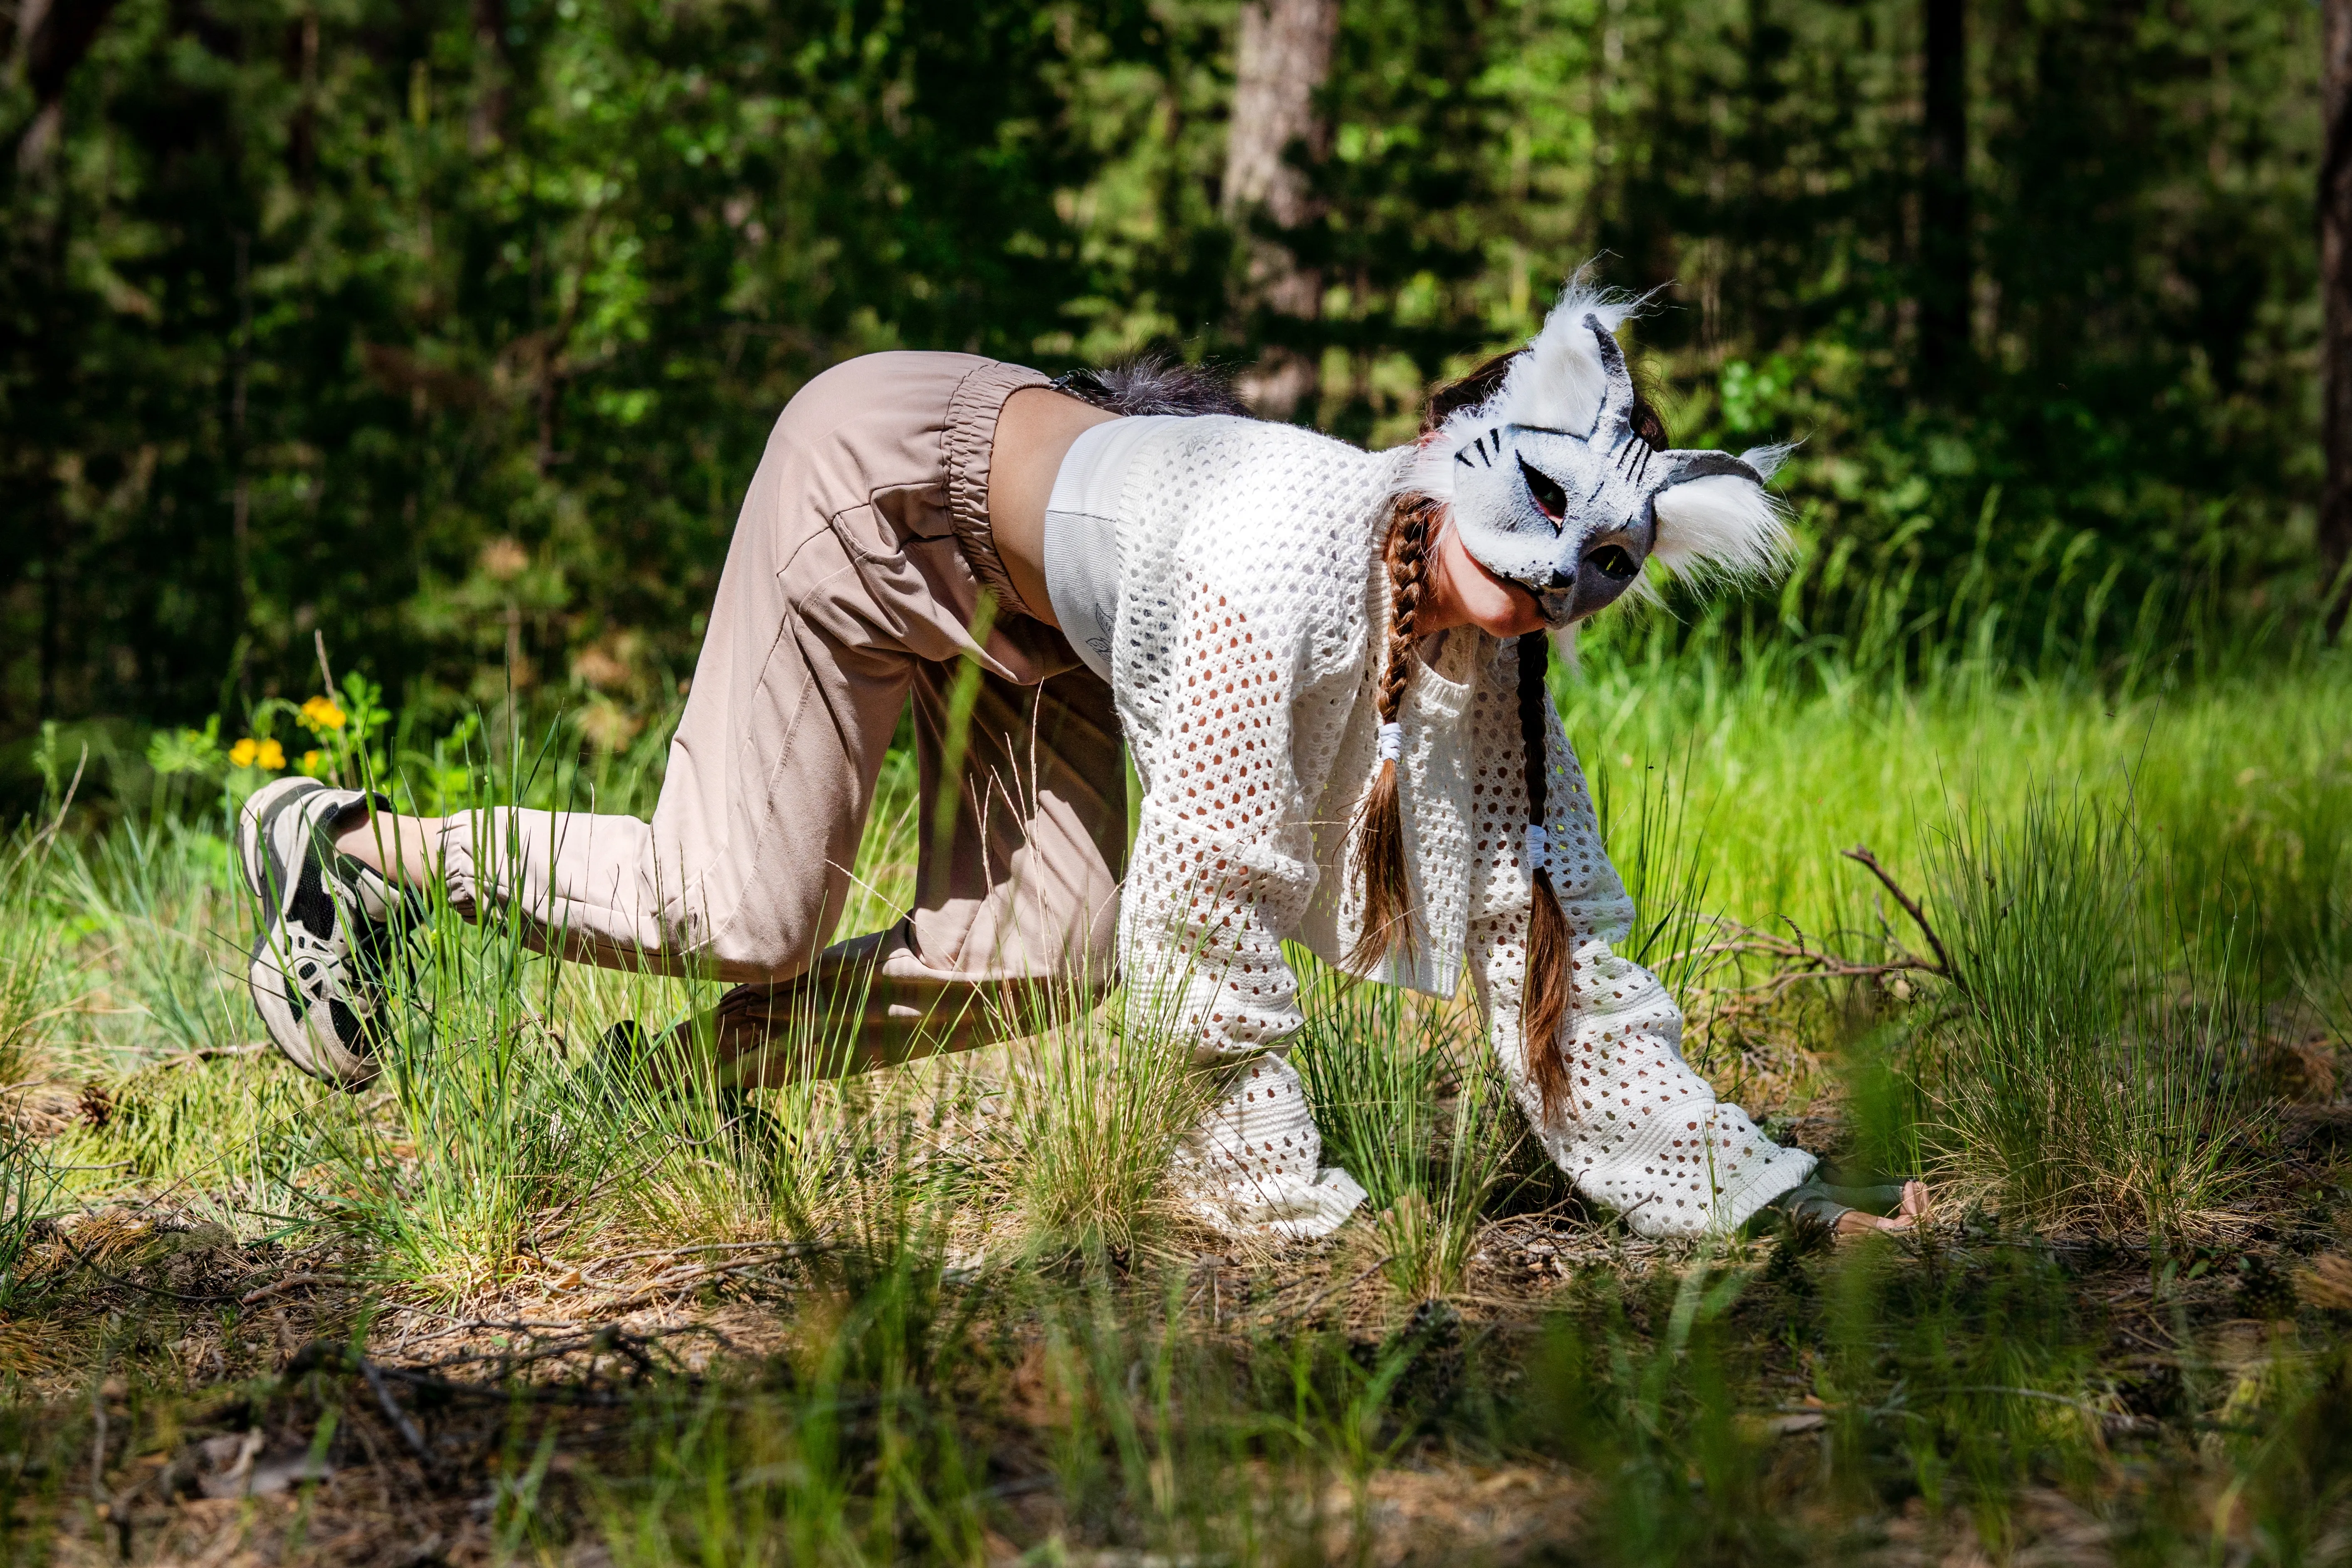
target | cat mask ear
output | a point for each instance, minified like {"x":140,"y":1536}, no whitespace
{"x":1553,"y":489}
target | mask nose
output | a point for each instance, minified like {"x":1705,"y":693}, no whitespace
{"x":1605,"y":570}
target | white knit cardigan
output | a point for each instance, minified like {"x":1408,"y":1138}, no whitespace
{"x":1252,"y":628}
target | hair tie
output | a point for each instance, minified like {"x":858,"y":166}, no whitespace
{"x":1538,"y":851}
{"x":1391,"y":742}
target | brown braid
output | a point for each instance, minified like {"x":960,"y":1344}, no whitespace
{"x":1379,"y":826}
{"x":1543,"y":993}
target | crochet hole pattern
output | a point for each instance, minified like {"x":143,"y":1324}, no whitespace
{"x":1219,"y":769}
{"x":1642,"y":1131}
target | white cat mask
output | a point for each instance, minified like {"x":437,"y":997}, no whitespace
{"x":1553,"y":489}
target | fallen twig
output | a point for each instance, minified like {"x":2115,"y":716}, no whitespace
{"x":2123,"y":1418}
{"x":1798,"y":962}
{"x":1378,"y":1264}
{"x":782,"y":1248}
{"x":211,"y":1053}
{"x":93,"y":1265}
{"x":394,"y":1413}
{"x":1860,"y":854}
{"x":294,"y":1282}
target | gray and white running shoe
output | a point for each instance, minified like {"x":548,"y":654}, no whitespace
{"x":317,"y":965}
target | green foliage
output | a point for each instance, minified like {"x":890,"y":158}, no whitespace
{"x":29,"y":950}
{"x":457,"y":332}
{"x":987,"y":1326}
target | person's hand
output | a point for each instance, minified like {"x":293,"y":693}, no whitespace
{"x":1915,"y":1207}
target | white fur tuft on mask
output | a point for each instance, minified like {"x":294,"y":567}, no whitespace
{"x":1563,"y":644}
{"x":1766,"y":460}
{"x":1721,"y":526}
{"x":1556,"y":383}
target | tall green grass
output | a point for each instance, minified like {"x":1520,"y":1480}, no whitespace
{"x":1410,"y":1104}
{"x":1091,"y":1108}
{"x":1000,"y":1339}
{"x":2146,"y":897}
{"x":2098,"y":1068}
{"x":30,"y":1002}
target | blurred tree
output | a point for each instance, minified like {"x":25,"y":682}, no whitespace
{"x":1946,"y":268}
{"x":2336,"y":283}
{"x":1282,"y":59}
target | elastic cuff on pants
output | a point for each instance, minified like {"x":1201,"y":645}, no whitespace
{"x":1817,"y":1201}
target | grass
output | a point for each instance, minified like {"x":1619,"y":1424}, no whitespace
{"x":953,"y":1313}
{"x":2096,"y":1071}
{"x":1410,"y":1105}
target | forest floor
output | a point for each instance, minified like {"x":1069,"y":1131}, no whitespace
{"x":510,"y":1304}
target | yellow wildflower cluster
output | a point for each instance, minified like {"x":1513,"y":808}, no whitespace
{"x":252,"y":753}
{"x":321,"y":713}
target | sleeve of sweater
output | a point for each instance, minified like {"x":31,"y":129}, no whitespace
{"x":1224,"y":860}
{"x":1643,"y":1133}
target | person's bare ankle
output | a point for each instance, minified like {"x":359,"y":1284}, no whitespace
{"x":398,"y":849}
{"x":360,"y":842}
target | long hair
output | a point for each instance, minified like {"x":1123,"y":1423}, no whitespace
{"x":1414,"y":521}
{"x":1379,"y":826}
{"x":1543,"y":991}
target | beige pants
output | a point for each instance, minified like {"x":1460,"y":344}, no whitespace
{"x":857,"y":570}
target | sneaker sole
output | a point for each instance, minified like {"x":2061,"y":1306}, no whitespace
{"x":290,"y":1030}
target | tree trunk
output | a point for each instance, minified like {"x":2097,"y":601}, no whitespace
{"x":1946,"y":266}
{"x":52,"y":38}
{"x":486,"y":125}
{"x":1282,"y":57}
{"x":2335,"y":286}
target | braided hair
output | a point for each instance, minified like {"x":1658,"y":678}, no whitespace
{"x":1543,"y":993}
{"x":1413,"y":521}
{"x":1379,"y":826}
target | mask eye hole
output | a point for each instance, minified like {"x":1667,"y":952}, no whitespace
{"x":1550,"y":498}
{"x":1613,"y":562}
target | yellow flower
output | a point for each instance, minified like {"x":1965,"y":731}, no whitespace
{"x":321,"y":713}
{"x":241,"y":756}
{"x":271,"y":756}
{"x":310,"y":760}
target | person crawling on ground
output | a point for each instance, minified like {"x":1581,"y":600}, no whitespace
{"x":1327,"y":665}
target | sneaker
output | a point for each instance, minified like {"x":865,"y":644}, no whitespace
{"x":317,"y":965}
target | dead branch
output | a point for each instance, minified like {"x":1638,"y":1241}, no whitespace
{"x":1794,"y":960}
{"x":211,"y":1053}
{"x":1860,"y":854}
{"x":394,"y":1413}
{"x":293,"y":1282}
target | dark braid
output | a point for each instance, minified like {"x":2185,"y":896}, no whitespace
{"x":1543,"y":993}
{"x":1379,"y":826}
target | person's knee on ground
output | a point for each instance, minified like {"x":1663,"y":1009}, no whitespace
{"x":871,"y":1002}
